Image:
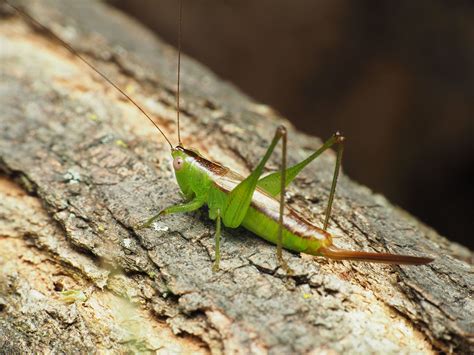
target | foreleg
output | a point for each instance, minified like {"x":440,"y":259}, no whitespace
{"x":185,"y":207}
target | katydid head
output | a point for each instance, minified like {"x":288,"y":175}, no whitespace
{"x":193,"y":171}
{"x":184,"y":159}
{"x":183,"y":169}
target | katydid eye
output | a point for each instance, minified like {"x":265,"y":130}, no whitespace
{"x":178,"y":163}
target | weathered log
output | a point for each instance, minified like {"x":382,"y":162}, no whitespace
{"x":92,"y":167}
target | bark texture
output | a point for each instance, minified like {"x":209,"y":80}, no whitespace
{"x":76,"y":274}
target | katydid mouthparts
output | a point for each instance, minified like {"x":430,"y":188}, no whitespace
{"x":255,"y":203}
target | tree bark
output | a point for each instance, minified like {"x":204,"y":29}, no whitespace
{"x":78,"y":276}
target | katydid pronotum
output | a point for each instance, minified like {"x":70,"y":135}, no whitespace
{"x":255,"y":203}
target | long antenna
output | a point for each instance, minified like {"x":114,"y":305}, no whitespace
{"x":179,"y":69}
{"x":76,"y":53}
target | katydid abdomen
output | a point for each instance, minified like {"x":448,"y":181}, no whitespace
{"x":266,"y":227}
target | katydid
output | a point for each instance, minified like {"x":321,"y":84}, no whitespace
{"x":255,"y":203}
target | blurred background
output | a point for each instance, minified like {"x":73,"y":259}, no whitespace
{"x":396,"y":77}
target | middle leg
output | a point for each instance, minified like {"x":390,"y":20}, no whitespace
{"x":217,"y":249}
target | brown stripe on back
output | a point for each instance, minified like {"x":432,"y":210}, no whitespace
{"x":215,"y":168}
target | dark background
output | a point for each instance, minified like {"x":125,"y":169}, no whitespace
{"x":396,"y":77}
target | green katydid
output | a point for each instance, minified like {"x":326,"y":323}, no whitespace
{"x":255,"y":203}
